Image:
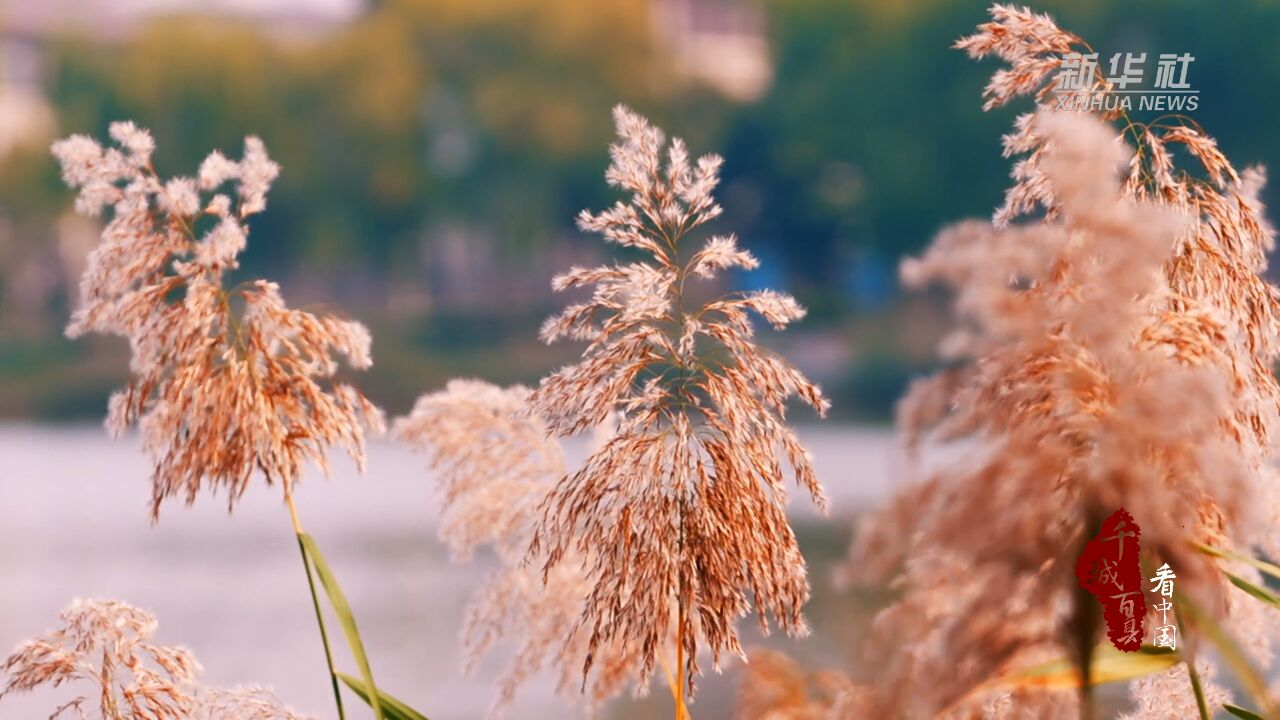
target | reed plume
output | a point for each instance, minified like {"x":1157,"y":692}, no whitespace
{"x":107,"y":645}
{"x":494,"y":463}
{"x":680,"y":516}
{"x":226,"y":381}
{"x":776,"y":687}
{"x":1115,"y":352}
{"x":491,"y":459}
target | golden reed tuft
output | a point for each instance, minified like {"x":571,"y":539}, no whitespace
{"x":1116,"y":350}
{"x":106,"y":645}
{"x":226,"y":381}
{"x":680,"y":515}
{"x":775,"y":687}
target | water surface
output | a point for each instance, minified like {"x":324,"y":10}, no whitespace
{"x":74,"y":523}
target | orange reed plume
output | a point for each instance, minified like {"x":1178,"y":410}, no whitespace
{"x":680,"y":515}
{"x":227,"y":381}
{"x":106,"y":644}
{"x":775,"y":687}
{"x":1116,"y":351}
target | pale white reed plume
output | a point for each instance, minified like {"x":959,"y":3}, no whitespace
{"x":680,"y":515}
{"x":226,"y":381}
{"x":1116,"y":352}
{"x":107,"y":645}
{"x":494,"y":463}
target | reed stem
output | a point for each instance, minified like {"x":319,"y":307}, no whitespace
{"x":1198,"y":689}
{"x":681,"y":710}
{"x":315,"y":602}
{"x":679,"y":674}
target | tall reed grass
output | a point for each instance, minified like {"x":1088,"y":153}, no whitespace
{"x":673,"y":528}
{"x":1115,"y":348}
{"x":108,"y":646}
{"x":228,"y":382}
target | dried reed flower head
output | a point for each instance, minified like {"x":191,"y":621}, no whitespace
{"x":1168,"y":695}
{"x":494,"y":463}
{"x":1116,"y":352}
{"x":107,"y":644}
{"x":1219,"y":294}
{"x":243,"y":703}
{"x":1219,"y":309}
{"x":226,"y":381}
{"x":681,"y":514}
{"x":776,"y":687}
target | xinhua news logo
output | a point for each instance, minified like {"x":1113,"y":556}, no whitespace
{"x":1120,"y":83}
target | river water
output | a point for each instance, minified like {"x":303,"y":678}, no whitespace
{"x":74,"y":523}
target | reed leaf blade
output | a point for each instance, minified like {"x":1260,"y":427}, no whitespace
{"x":1240,"y":712}
{"x":394,"y":708}
{"x":341,"y":608}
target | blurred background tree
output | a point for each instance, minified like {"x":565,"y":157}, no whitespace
{"x":436,"y":152}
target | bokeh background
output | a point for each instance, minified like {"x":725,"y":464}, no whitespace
{"x":435,"y":153}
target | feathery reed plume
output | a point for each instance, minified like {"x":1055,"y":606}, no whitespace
{"x":494,"y":464}
{"x":226,"y":381}
{"x":107,"y":644}
{"x":680,"y":515}
{"x":776,"y":687}
{"x":1219,"y":296}
{"x":1117,"y":352}
{"x":1165,"y":695}
{"x":244,"y":703}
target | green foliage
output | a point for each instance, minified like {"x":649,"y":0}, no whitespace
{"x":341,"y":608}
{"x":1230,"y":651}
{"x":1256,"y":591}
{"x":873,"y":136}
{"x":385,"y":706}
{"x":1197,"y":689}
{"x":394,"y":709}
{"x":320,"y":623}
{"x":1263,"y":565}
{"x":1109,"y":665}
{"x":425,"y":121}
{"x":429,"y":114}
{"x":420,"y":114}
{"x":1240,"y":712}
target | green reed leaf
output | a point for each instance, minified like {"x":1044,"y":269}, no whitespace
{"x":1241,"y":712}
{"x":1231,"y":652}
{"x":324,"y":631}
{"x":341,"y":608}
{"x":395,"y":709}
{"x":1197,"y":689}
{"x":1263,"y":565}
{"x":1109,"y":665}
{"x":1256,"y":591}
